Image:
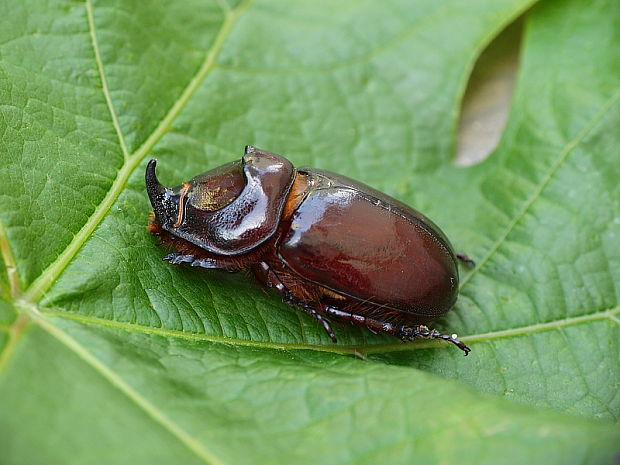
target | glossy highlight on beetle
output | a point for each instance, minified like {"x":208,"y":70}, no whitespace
{"x":331,"y":246}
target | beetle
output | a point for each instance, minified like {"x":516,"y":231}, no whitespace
{"x":331,"y":246}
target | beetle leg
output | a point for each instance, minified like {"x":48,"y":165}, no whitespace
{"x":212,"y":264}
{"x":312,"y":311}
{"x":177,"y":258}
{"x":209,"y":263}
{"x":465,"y":259}
{"x":405,"y":333}
{"x":273,"y":280}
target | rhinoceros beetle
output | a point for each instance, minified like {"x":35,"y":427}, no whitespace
{"x":331,"y":246}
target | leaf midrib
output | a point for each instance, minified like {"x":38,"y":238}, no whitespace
{"x":610,"y":314}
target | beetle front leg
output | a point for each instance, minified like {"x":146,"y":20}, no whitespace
{"x":403,"y":332}
{"x":208,"y":263}
{"x":177,"y":258}
{"x":274,"y":281}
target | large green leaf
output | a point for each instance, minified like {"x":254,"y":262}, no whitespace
{"x":113,"y":356}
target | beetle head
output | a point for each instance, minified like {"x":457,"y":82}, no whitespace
{"x":228,"y":210}
{"x":206,"y":192}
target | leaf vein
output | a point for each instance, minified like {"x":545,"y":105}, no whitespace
{"x":16,"y":330}
{"x":115,"y":380}
{"x":339,"y":349}
{"x":9,"y":262}
{"x":40,"y":285}
{"x":104,"y":81}
{"x":570,"y":146}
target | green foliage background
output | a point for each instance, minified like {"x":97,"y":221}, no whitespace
{"x":108,"y":355}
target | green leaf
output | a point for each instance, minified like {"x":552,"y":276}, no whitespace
{"x":113,"y":356}
{"x":190,"y":402}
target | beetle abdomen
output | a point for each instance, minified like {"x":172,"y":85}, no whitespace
{"x":360,"y":246}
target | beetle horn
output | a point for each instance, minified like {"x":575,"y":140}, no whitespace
{"x":162,"y":198}
{"x":153,"y":186}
